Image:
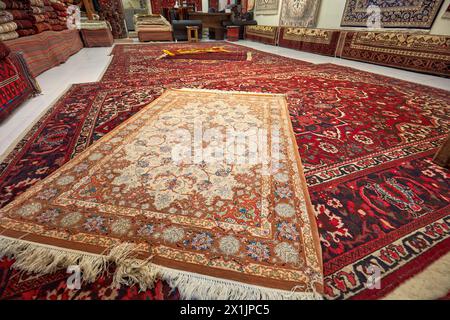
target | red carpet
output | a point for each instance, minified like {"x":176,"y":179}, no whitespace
{"x":366,"y":142}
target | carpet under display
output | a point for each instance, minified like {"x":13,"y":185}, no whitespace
{"x":366,"y":142}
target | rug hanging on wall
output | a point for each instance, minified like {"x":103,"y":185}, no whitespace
{"x":112,"y":11}
{"x":299,"y":13}
{"x":392,"y":14}
{"x":266,"y":7}
{"x":217,"y":221}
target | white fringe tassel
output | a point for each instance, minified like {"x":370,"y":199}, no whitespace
{"x":43,"y":259}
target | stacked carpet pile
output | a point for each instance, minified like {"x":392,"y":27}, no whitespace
{"x":38,"y":16}
{"x":16,"y":83}
{"x":61,"y":16}
{"x":51,"y":17}
{"x":7,"y":26}
{"x":263,"y":34}
{"x":96,"y":33}
{"x":20,"y":11}
{"x":320,"y":41}
{"x":152,"y":27}
{"x":411,"y":51}
{"x":46,"y":50}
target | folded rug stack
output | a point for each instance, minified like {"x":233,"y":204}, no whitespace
{"x":51,"y":17}
{"x":96,"y":33}
{"x":16,"y":82}
{"x":22,"y":16}
{"x":7,"y":26}
{"x":152,"y":27}
{"x":38,"y":16}
{"x":61,"y":15}
{"x":94,"y":25}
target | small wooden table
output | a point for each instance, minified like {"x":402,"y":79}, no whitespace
{"x":210,"y":20}
{"x":192,"y":33}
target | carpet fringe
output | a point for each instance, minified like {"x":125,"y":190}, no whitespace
{"x":432,"y":283}
{"x":43,"y":259}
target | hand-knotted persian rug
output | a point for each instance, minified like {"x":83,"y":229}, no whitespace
{"x":394,"y":14}
{"x":366,"y":143}
{"x":268,"y":7}
{"x":232,"y":227}
{"x":299,"y":13}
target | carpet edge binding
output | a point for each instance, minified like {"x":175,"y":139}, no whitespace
{"x":129,"y":271}
{"x":430,"y":284}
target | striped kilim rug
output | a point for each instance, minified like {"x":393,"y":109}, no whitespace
{"x":204,"y":189}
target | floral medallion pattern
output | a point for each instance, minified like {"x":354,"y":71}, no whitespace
{"x":394,"y":13}
{"x":135,"y":186}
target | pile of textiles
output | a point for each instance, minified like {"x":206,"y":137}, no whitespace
{"x":46,"y":50}
{"x":16,"y":82}
{"x":51,"y":17}
{"x":22,"y":17}
{"x":112,"y":11}
{"x":263,"y":34}
{"x":38,"y":16}
{"x":152,"y":27}
{"x":7,"y":26}
{"x":59,"y":22}
{"x":28,"y":16}
{"x":96,"y":33}
{"x":94,"y":25}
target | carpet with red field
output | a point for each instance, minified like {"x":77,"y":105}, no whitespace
{"x":366,"y":142}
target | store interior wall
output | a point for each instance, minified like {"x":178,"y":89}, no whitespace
{"x":330,"y":15}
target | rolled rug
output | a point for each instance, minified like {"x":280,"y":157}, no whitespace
{"x":16,"y":5}
{"x":59,"y":6}
{"x":20,"y":14}
{"x":8,"y":27}
{"x":25,"y":32}
{"x":53,"y":21}
{"x":36,"y":18}
{"x":59,"y":27}
{"x":38,"y":10}
{"x":36,"y":3}
{"x":2,"y":5}
{"x":41,"y":27}
{"x":5,"y":17}
{"x":49,"y":9}
{"x":24,"y":24}
{"x":9,"y":36}
{"x":4,"y":50}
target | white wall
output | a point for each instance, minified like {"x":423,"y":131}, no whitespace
{"x":442,"y":26}
{"x":330,"y":15}
{"x":205,"y":5}
{"x":269,"y":20}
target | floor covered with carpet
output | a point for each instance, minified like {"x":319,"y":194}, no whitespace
{"x":365,"y":140}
